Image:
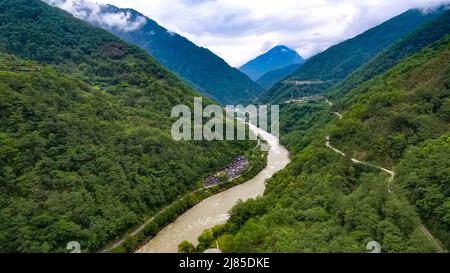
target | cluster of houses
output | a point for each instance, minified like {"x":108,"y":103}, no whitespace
{"x":302,"y":82}
{"x":305,"y":99}
{"x":232,"y":171}
{"x":211,"y":181}
{"x":236,"y":167}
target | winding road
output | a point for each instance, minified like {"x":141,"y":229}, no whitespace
{"x":425,"y":231}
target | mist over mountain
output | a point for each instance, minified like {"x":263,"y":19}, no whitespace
{"x":85,"y":145}
{"x":277,"y":58}
{"x":200,"y":67}
{"x":88,"y":154}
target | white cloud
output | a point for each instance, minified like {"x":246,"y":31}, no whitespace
{"x":92,"y":12}
{"x":239,"y":30}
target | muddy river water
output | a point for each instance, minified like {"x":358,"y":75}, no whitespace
{"x":214,"y":210}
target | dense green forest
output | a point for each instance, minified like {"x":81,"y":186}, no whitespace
{"x":86,"y":152}
{"x":258,"y":161}
{"x":273,"y":77}
{"x":200,"y":67}
{"x":85,"y":145}
{"x":406,"y":46}
{"x":404,"y":107}
{"x":324,"y":202}
{"x":424,"y":172}
{"x":398,"y":112}
{"x":337,"y":62}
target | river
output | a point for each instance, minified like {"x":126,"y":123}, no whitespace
{"x":214,"y":210}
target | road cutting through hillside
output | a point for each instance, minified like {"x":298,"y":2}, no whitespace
{"x":391,"y":174}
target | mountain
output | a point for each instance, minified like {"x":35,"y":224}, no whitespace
{"x":405,"y":47}
{"x":276,"y":58}
{"x":391,"y":120}
{"x":200,"y":67}
{"x":271,"y":78}
{"x":326,"y":202}
{"x":334,"y":64}
{"x":86,"y":151}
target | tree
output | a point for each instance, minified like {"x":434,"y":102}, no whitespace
{"x":186,"y":247}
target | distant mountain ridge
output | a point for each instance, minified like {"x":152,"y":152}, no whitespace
{"x":405,"y":47}
{"x":85,"y":133}
{"x":392,"y":111}
{"x":204,"y":70}
{"x":276,"y":58}
{"x":339,"y":61}
{"x":269,"y":79}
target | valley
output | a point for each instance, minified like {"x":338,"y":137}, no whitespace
{"x":333,"y":199}
{"x":426,"y":232}
{"x":99,"y":103}
{"x":86,"y":150}
{"x":214,"y":210}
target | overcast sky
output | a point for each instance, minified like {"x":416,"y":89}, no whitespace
{"x":239,"y":30}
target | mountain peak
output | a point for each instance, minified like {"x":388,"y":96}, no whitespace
{"x":281,"y":48}
{"x":198,"y":66}
{"x":276,"y":58}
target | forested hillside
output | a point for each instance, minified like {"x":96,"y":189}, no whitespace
{"x":336,"y":63}
{"x":325,"y":202}
{"x":271,"y":78}
{"x":200,"y":67}
{"x":405,"y":47}
{"x":399,"y":118}
{"x":85,"y":145}
{"x":424,"y":172}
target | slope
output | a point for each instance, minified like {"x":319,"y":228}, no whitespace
{"x":324,"y":202}
{"x":198,"y":66}
{"x":274,"y":59}
{"x":271,"y":78}
{"x":404,"y":120}
{"x":406,"y":46}
{"x":85,"y":145}
{"x":336,"y":63}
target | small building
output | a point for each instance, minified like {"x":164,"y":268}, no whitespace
{"x":211,"y":181}
{"x":232,"y":171}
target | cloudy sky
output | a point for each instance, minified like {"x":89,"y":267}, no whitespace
{"x":239,"y":30}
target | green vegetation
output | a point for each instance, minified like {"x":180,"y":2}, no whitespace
{"x":186,"y":247}
{"x":271,"y":78}
{"x":79,"y":164}
{"x":203,"y":69}
{"x":85,"y":145}
{"x":404,"y":107}
{"x":208,"y":239}
{"x":424,"y":172}
{"x":86,"y":152}
{"x":166,"y":216}
{"x":323,"y":202}
{"x":405,"y":47}
{"x":336,"y":63}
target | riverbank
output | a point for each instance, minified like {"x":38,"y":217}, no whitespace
{"x":140,"y":235}
{"x":214,"y":209}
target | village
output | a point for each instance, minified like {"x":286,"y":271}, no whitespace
{"x":231,"y":172}
{"x":313,"y":98}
